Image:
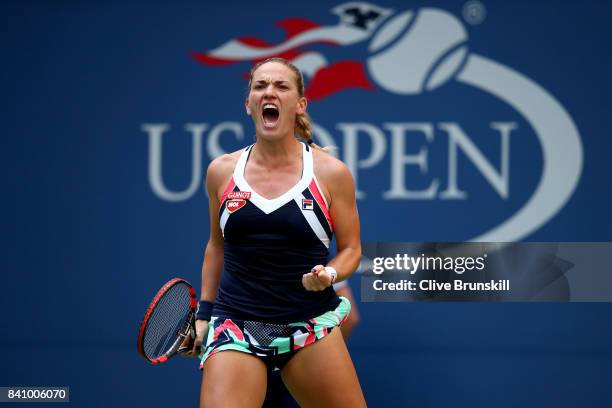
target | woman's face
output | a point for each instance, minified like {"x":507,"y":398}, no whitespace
{"x":274,"y":100}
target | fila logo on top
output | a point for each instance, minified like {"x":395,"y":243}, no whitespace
{"x":409,"y":53}
{"x":307,"y":204}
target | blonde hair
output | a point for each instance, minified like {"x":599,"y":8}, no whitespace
{"x":303,"y":126}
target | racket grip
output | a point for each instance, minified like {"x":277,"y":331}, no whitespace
{"x":192,"y":335}
{"x":192,"y":330}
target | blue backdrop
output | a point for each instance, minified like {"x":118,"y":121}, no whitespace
{"x":97,"y":219}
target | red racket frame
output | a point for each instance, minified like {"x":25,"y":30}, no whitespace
{"x":149,"y":313}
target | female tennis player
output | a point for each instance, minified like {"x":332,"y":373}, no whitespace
{"x":267,"y":296}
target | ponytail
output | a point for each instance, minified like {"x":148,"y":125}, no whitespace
{"x":303,"y":128}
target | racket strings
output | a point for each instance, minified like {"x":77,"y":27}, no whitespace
{"x":167,"y":320}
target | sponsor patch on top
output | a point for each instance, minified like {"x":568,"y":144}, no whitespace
{"x":234,"y":205}
{"x":243,"y":195}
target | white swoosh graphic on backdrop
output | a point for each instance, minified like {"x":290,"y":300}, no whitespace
{"x":561,"y":145}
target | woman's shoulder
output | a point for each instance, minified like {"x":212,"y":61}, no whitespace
{"x":333,"y":176}
{"x":329,"y":169}
{"x":221,"y":168}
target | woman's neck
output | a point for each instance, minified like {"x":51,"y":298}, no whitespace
{"x":276,"y":153}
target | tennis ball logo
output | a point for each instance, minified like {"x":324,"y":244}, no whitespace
{"x":418,"y":51}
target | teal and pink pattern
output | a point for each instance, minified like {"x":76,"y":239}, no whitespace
{"x":270,"y":339}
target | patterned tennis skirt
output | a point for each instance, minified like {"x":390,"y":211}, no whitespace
{"x":268,"y":340}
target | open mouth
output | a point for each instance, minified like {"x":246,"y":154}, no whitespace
{"x":270,"y":115}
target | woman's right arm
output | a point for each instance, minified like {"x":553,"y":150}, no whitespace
{"x":218,"y":175}
{"x":217,"y":178}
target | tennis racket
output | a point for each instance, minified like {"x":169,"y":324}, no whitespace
{"x":169,"y":319}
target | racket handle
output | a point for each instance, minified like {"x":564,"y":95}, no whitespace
{"x":192,"y":335}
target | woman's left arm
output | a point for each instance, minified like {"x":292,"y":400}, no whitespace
{"x":343,"y":211}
